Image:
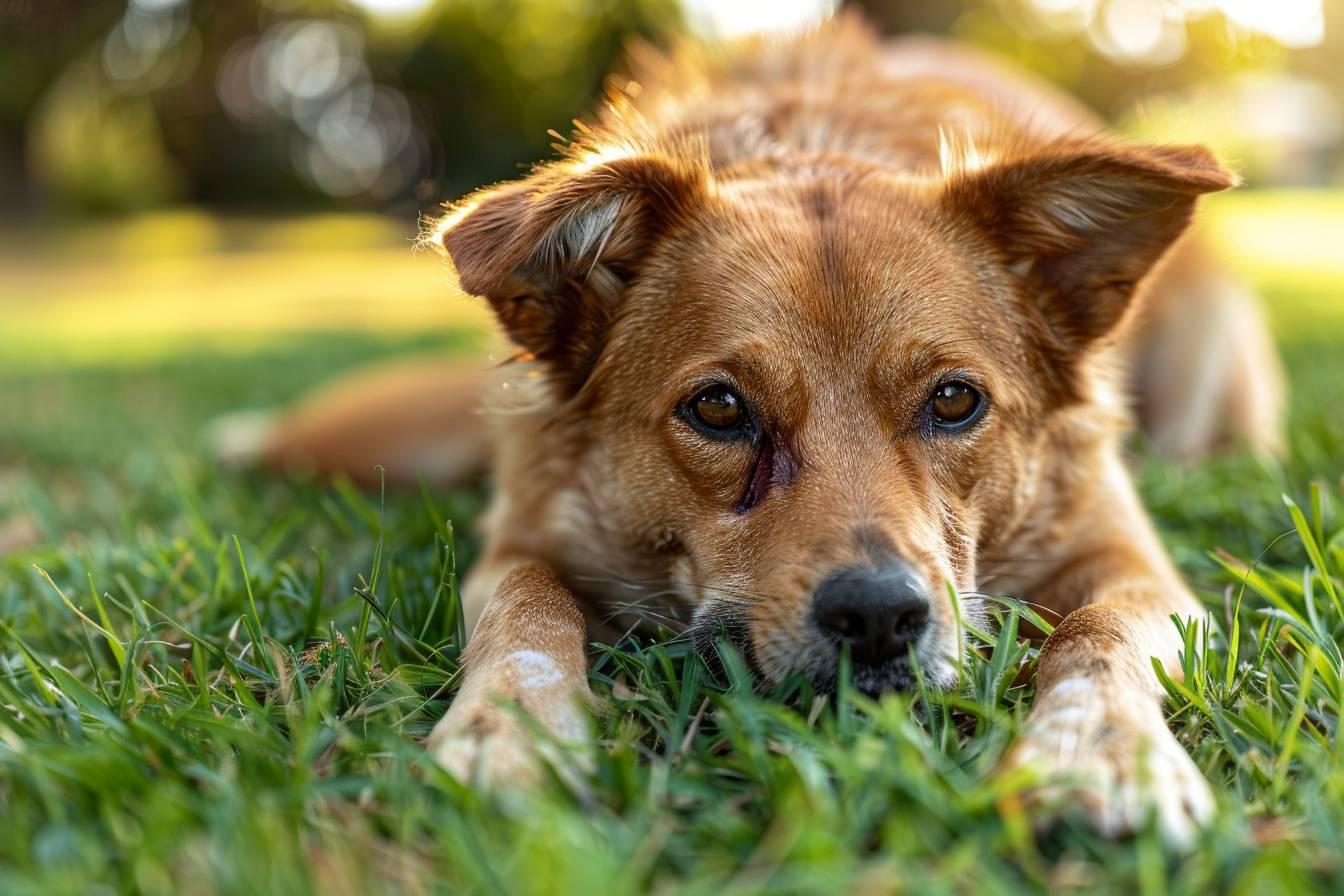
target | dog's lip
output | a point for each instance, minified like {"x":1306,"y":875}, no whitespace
{"x":893,"y":676}
{"x":732,"y":623}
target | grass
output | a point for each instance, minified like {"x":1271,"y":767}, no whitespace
{"x":218,"y":682}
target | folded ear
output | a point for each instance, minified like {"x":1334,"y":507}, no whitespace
{"x":553,"y":253}
{"x":1083,"y":222}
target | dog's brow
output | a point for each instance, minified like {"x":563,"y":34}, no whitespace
{"x":906,"y":362}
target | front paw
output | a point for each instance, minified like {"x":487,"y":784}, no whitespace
{"x":483,"y":744}
{"x":495,"y":743}
{"x":1112,"y":760}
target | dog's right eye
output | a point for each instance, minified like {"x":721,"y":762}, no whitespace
{"x":719,"y":410}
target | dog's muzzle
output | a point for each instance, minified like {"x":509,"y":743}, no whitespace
{"x":878,"y":614}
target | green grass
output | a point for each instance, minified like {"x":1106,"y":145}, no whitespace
{"x":218,"y":683}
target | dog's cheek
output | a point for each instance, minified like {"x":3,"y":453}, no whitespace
{"x":781,"y":633}
{"x":987,"y":478}
{"x":712,"y":476}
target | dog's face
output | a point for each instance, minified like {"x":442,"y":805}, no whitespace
{"x":812,"y":396}
{"x":821,"y":397}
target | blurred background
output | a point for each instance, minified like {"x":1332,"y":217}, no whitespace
{"x":280,"y":142}
{"x":262,"y":106}
{"x":207,"y":204}
{"x":277,"y":134}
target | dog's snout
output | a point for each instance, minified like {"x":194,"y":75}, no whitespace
{"x":877,"y":612}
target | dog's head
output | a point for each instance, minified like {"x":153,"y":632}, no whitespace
{"x":812,"y":394}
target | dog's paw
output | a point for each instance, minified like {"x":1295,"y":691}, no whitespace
{"x":1112,"y":764}
{"x":489,"y":744}
{"x":488,"y":750}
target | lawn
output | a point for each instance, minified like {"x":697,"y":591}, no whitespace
{"x":214,"y":682}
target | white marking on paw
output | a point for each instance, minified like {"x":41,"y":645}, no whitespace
{"x":535,"y":669}
{"x":1079,"y":685}
{"x":1065,"y":715}
{"x":1115,"y":768}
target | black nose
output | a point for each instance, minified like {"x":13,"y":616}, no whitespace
{"x":877,"y":612}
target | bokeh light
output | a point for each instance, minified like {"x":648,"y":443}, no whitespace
{"x":395,"y":103}
{"x":1154,"y":32}
{"x":394,"y":8}
{"x":349,"y":135}
{"x":742,"y":17}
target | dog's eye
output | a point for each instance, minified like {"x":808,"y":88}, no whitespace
{"x":955,"y":405}
{"x":718,"y":408}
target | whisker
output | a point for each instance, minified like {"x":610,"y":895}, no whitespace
{"x":645,"y":613}
{"x":1009,"y":599}
{"x":670,"y":586}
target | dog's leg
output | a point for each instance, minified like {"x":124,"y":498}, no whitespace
{"x":526,"y":663}
{"x":1097,"y":732}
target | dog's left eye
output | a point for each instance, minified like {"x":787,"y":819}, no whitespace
{"x":955,"y":405}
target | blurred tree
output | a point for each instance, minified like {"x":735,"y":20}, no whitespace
{"x":109,"y":105}
{"x":38,"y":39}
{"x":118,"y":104}
{"x":495,"y":87}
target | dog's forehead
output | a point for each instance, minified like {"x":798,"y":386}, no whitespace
{"x":810,"y":293}
{"x":860,"y":261}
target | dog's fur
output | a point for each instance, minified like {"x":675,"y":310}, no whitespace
{"x":833,"y":226}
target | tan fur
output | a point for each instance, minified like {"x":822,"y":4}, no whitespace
{"x":833,"y":227}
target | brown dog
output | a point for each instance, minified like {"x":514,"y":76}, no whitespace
{"x":811,"y":333}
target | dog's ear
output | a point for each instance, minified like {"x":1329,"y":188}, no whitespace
{"x":552,"y":253}
{"x":1082,"y":223}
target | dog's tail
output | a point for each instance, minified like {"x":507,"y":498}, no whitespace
{"x":402,"y":422}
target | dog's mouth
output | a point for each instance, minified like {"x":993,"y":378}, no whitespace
{"x":870,"y":680}
{"x":819,"y":660}
{"x":730,"y":626}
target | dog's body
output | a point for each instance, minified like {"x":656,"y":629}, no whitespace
{"x":811,"y":334}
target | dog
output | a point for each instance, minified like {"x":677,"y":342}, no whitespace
{"x":808,"y":333}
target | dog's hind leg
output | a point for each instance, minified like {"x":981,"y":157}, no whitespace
{"x":1205,"y":372}
{"x":526,"y":674}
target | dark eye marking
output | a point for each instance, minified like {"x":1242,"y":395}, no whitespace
{"x":774,"y":466}
{"x":720,"y":413}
